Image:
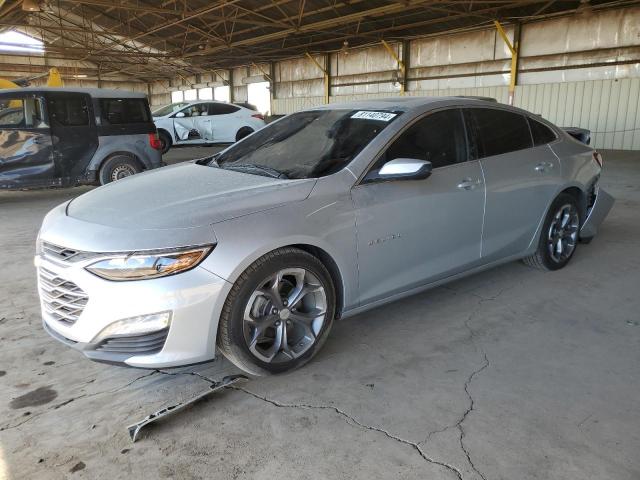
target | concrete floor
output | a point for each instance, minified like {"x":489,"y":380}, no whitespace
{"x":509,"y":374}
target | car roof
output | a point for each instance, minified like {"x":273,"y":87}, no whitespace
{"x":404,"y":103}
{"x":94,"y":92}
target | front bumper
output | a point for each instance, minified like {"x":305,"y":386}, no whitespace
{"x":194,"y":298}
{"x":596,"y":215}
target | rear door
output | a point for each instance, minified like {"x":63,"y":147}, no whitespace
{"x":26,"y":157}
{"x":74,"y":133}
{"x":226,"y":121}
{"x":521,"y":179}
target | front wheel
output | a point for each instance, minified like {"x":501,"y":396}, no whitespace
{"x":559,"y":235}
{"x":278,"y":314}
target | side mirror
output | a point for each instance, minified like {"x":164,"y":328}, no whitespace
{"x":179,"y":115}
{"x":405,"y":169}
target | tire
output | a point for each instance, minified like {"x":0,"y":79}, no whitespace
{"x":252,"y":321}
{"x":116,"y":167}
{"x":556,"y":232}
{"x":243,"y":132}
{"x":165,"y":141}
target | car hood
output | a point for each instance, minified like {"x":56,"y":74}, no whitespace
{"x":184,"y":196}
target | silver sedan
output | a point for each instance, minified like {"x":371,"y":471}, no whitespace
{"x":321,"y":215}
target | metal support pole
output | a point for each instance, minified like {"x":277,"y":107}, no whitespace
{"x":272,"y":86}
{"x":325,"y":71}
{"x":513,"y":48}
{"x":231,"y":95}
{"x":401,"y":66}
{"x":406,"y":58}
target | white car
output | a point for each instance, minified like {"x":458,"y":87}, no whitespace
{"x":196,"y":123}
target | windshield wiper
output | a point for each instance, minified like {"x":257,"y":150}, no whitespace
{"x":250,"y":167}
{"x":209,"y":161}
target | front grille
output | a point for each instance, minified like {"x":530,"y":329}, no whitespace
{"x":63,"y":300}
{"x":145,"y":344}
{"x":63,"y":254}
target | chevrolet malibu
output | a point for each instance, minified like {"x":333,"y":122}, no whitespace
{"x":321,"y":215}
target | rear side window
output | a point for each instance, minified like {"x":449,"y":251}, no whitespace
{"x":438,"y":138}
{"x":69,"y":110}
{"x":541,"y":133}
{"x":498,"y":131}
{"x":221,"y":109}
{"x":121,"y":111}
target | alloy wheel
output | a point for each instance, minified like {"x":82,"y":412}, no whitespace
{"x":563,"y":233}
{"x":284,"y":315}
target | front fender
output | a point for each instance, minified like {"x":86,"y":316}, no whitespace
{"x":329,"y":227}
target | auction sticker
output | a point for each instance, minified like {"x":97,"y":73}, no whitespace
{"x":381,"y":116}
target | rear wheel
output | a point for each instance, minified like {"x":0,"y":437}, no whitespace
{"x":165,"y":142}
{"x":559,"y":236}
{"x":117,"y":167}
{"x":278,"y":314}
{"x":243,"y":132}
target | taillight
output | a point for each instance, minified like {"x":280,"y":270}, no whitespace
{"x":258,"y":115}
{"x":598,"y":158}
{"x":154,"y":141}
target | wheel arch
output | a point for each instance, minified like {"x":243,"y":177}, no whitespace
{"x":580,"y":196}
{"x":331,"y":265}
{"x":327,"y":259}
{"x":576,"y":192}
{"x":125,"y":153}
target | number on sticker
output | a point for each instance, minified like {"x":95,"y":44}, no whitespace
{"x":382,"y":116}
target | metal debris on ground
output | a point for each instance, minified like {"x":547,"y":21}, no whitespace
{"x":135,"y":428}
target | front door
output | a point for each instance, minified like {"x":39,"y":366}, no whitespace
{"x":204,"y":122}
{"x":26,"y":157}
{"x":184,"y":124}
{"x":74,"y":133}
{"x":413,"y":232}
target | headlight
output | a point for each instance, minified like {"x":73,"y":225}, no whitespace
{"x":145,"y":265}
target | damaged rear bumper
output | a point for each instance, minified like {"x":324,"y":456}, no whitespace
{"x":598,"y":212}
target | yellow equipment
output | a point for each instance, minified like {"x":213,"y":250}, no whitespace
{"x":54,"y":79}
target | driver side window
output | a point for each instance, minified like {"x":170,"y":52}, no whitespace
{"x":438,"y":137}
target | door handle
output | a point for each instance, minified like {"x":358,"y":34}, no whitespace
{"x":468,"y":184}
{"x":542,"y":167}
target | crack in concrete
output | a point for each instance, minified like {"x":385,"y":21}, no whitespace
{"x":472,"y":335}
{"x":350,"y":419}
{"x":73,"y":399}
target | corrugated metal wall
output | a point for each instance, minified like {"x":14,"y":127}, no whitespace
{"x":609,"y":108}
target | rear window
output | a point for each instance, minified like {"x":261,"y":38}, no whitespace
{"x":222,"y":108}
{"x":541,"y":133}
{"x":499,"y":131}
{"x":122,"y":111}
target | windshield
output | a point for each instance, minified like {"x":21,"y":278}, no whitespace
{"x":307,"y":144}
{"x":167,"y":109}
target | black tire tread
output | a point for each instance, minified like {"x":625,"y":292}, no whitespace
{"x":537,"y":260}
{"x":223,"y":338}
{"x":104,"y":177}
